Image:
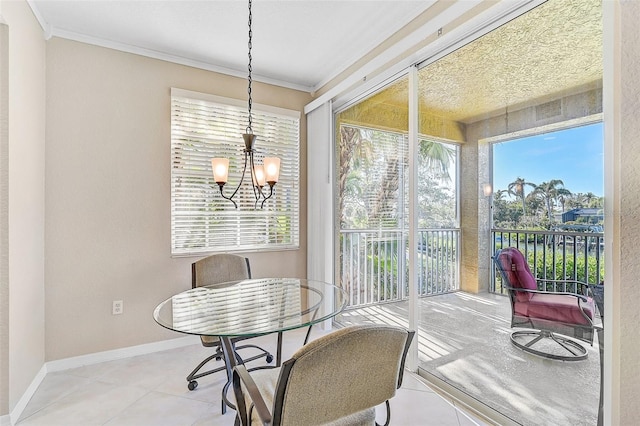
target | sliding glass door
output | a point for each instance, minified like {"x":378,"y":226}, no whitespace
{"x":525,"y":80}
{"x":422,"y":258}
{"x":373,"y":150}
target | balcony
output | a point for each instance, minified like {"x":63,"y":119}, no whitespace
{"x":374,"y":264}
{"x":464,"y":344}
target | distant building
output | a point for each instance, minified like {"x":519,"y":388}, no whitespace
{"x":590,"y":215}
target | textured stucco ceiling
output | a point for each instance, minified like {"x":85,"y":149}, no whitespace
{"x":554,"y":49}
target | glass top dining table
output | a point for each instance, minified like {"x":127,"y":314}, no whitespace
{"x":251,"y":307}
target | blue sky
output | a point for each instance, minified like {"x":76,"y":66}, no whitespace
{"x":574,"y":156}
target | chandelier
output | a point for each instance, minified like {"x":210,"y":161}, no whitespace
{"x":261,"y":174}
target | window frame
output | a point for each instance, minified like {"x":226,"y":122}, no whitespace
{"x":203,"y":222}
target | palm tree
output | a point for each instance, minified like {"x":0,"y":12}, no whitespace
{"x":563,"y":200}
{"x":576,"y":201}
{"x":385,"y":198}
{"x":354,"y":150}
{"x":516,"y":188}
{"x":549,"y":192}
{"x":437,"y":156}
{"x":499,"y":195}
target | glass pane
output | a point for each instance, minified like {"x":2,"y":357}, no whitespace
{"x":372,"y":149}
{"x":530,"y":78}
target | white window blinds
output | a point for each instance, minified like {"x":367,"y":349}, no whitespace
{"x":373,"y":167}
{"x":205,"y":126}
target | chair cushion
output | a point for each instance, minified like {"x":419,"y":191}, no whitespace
{"x":517,"y":272}
{"x":266,"y":381}
{"x":209,"y":341}
{"x":363,"y":418}
{"x":556,"y":307}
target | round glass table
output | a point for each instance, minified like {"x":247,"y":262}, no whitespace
{"x":252,"y":307}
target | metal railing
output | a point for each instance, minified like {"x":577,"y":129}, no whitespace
{"x":554,"y":255}
{"x":374,"y":264}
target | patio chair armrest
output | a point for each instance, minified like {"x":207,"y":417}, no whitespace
{"x":584,"y":286}
{"x":242,"y":377}
{"x":566,"y":293}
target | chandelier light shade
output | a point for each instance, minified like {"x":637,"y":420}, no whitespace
{"x":220,"y":167}
{"x":261,"y":175}
{"x":272,"y":169}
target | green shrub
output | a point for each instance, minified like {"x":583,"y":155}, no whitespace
{"x":566,"y":272}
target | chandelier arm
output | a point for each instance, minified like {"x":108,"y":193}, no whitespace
{"x":244,"y":170}
{"x":228,"y":198}
{"x":257,"y":189}
{"x":266,"y":198}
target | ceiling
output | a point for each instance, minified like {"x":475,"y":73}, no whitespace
{"x":303,"y":44}
{"x":554,"y":49}
{"x":296,"y":43}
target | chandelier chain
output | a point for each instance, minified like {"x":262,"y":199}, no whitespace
{"x":261,"y":174}
{"x":249,"y":129}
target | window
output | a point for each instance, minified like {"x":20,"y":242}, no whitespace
{"x":205,"y":126}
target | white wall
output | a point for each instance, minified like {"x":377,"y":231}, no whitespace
{"x":622,"y":125}
{"x":108,"y":194}
{"x":26,"y":168}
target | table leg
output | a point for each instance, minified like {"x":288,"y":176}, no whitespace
{"x":230,"y":362}
{"x":279,"y":350}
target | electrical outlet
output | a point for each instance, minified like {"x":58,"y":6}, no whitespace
{"x":117,"y":307}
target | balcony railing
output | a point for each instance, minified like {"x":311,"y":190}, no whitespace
{"x":555,"y":255}
{"x":373,"y":264}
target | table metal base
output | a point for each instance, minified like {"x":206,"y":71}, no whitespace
{"x":231,"y":359}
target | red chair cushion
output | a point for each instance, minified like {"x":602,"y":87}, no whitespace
{"x":517,"y":271}
{"x":555,"y":307}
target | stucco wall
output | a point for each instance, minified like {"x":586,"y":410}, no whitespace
{"x":576,"y":108}
{"x":108,"y":194}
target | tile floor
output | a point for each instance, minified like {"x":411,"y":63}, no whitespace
{"x":464,"y":342}
{"x":151,"y":390}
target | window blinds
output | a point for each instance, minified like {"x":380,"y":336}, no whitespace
{"x":203,"y":127}
{"x":376,"y":186}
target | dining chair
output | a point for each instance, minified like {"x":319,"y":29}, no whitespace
{"x":217,"y":269}
{"x":337,"y":379}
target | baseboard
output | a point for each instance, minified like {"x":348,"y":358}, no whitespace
{"x":112,"y":355}
{"x":89,"y":359}
{"x":26,"y":396}
{"x":466,"y":402}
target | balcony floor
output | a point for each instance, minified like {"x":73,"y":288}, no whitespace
{"x":464,"y":341}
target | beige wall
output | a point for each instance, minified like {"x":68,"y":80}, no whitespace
{"x":108,"y":199}
{"x":26,"y":97}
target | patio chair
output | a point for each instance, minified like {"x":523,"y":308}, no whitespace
{"x":216,"y":269}
{"x":557,"y":318}
{"x":337,"y":379}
